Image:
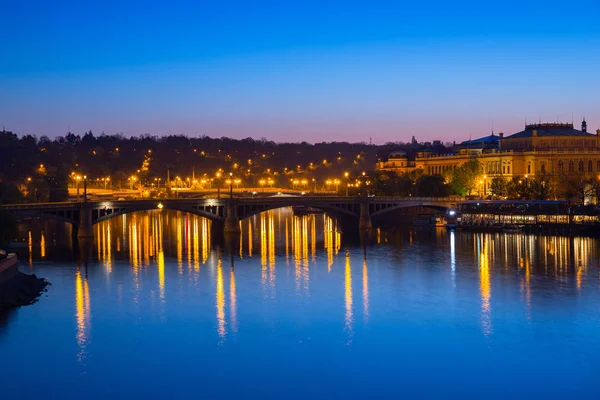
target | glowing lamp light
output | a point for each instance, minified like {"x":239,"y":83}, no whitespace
{"x":160,"y":206}
{"x":452,"y":213}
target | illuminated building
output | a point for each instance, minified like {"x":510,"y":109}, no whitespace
{"x":540,"y":149}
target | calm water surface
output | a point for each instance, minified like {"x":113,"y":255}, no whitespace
{"x":296,"y":309}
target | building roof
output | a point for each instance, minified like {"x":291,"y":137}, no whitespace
{"x":548,"y":129}
{"x":491,"y":139}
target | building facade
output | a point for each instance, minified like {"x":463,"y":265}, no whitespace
{"x":548,"y":149}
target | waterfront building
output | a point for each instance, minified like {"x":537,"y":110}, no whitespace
{"x":548,"y":149}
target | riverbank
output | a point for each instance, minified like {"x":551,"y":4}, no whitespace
{"x":20,"y":290}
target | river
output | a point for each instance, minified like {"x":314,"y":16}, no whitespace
{"x":294,"y":308}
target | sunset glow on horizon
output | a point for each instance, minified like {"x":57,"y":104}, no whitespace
{"x":336,"y":72}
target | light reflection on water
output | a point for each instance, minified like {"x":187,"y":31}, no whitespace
{"x":297,"y":291}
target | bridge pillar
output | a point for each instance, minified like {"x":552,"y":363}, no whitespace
{"x":232,"y":221}
{"x":364,"y":222}
{"x":86,"y":229}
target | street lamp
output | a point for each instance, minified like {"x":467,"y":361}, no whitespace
{"x":231,"y":185}
{"x":218,"y":176}
{"x":347,"y":175}
{"x":484,"y":186}
{"x":77,"y":179}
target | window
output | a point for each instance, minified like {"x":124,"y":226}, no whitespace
{"x":528,"y":168}
{"x":571,"y":166}
{"x":508,"y":169}
{"x":561,"y":165}
{"x":543,"y":167}
{"x":590,"y":169}
{"x":581,"y":166}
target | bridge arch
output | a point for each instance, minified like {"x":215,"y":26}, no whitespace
{"x":246,"y":211}
{"x":99,"y":215}
{"x":377,"y":213}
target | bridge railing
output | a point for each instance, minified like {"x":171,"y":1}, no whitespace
{"x":33,"y":206}
{"x":243,"y":200}
{"x":420,"y":199}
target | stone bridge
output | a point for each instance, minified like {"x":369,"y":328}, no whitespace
{"x":228,"y":212}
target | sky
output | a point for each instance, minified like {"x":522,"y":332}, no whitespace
{"x":298,"y":70}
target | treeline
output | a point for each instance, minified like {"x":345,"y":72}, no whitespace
{"x":43,"y":167}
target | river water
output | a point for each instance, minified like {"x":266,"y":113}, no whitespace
{"x":294,"y":308}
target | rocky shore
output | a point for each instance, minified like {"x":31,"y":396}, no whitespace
{"x":21,"y":290}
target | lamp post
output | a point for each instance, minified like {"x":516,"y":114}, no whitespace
{"x":218,"y":175}
{"x":231,"y":185}
{"x":484,"y":186}
{"x":85,"y":188}
{"x":364,"y":180}
{"x":346,"y":175}
{"x":77,"y":179}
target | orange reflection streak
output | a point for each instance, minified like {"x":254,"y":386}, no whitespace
{"x":272,"y":251}
{"x":30,"y":248}
{"x":287,"y":242}
{"x":232,"y":300}
{"x":263,"y":249}
{"x":179,"y":245}
{"x":220,"y":301}
{"x":304,"y":233}
{"x":485,"y":287}
{"x":196,"y":241}
{"x":145,"y":240}
{"x":134,"y":247}
{"x":348,"y":294}
{"x":188,"y":242}
{"x":43,"y":246}
{"x":338,"y":240}
{"x":205,"y":239}
{"x":365,"y":291}
{"x":108,"y":260}
{"x":133,"y":255}
{"x":250,"y":237}
{"x":271,"y":237}
{"x":82,"y":313}
{"x":329,"y":242}
{"x":161,"y":274}
{"x":296,"y":246}
{"x":582,"y":247}
{"x":313,"y":238}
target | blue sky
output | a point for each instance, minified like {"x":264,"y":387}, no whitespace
{"x":311,"y":70}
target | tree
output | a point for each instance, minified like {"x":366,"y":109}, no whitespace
{"x":518,"y":188}
{"x":541,"y":187}
{"x":386,"y":183}
{"x":576,"y":186}
{"x":465,"y":178}
{"x":431,"y":186}
{"x":498,"y":187}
